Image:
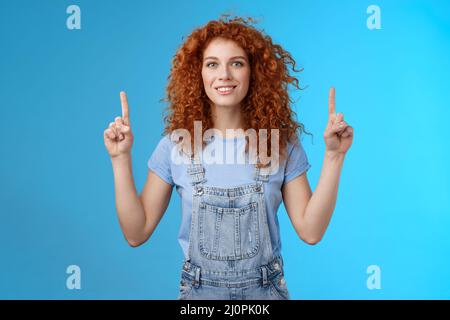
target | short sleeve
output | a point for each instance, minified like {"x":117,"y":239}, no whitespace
{"x":159,"y":161}
{"x":297,"y":161}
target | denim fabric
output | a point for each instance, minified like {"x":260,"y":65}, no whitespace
{"x":226,"y":175}
{"x":230,"y":254}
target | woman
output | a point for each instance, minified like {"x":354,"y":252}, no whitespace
{"x":228,"y":75}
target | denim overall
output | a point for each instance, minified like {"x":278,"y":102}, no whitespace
{"x":230,"y":253}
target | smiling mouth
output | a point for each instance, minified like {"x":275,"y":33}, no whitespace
{"x":225,"y":90}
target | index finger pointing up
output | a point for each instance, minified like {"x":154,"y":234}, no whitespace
{"x":125,"y":113}
{"x":331,"y":104}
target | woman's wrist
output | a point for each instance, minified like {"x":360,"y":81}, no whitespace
{"x":334,"y":156}
{"x":121,"y":159}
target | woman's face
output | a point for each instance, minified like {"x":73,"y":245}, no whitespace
{"x":225,"y":65}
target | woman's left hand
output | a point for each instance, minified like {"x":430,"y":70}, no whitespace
{"x":338,"y":134}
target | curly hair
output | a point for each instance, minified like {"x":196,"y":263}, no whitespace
{"x":267,"y":103}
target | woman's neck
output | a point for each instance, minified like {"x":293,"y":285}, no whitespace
{"x":226,"y":118}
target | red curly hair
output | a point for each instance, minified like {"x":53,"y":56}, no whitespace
{"x":267,"y":103}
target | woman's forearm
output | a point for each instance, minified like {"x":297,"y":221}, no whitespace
{"x":321,"y":205}
{"x":129,"y":207}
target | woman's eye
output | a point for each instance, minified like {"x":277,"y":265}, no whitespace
{"x":213,"y":63}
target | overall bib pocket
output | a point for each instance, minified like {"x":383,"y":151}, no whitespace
{"x":228,"y":233}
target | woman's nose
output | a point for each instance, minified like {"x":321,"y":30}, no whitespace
{"x":225,"y":73}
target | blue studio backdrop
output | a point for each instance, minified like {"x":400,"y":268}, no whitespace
{"x":388,"y":237}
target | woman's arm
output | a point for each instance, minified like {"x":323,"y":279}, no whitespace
{"x":129,"y":208}
{"x":310,"y":213}
{"x":155,"y":198}
{"x":138,"y":215}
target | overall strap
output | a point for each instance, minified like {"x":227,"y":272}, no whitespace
{"x":261,"y":174}
{"x":196,"y":173}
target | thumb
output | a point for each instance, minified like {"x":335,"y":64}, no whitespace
{"x":124,"y":129}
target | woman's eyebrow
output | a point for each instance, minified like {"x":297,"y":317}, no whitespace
{"x":229,"y":59}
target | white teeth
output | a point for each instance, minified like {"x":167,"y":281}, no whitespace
{"x":224,"y":89}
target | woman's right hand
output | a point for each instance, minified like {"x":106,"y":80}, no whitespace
{"x":118,"y":136}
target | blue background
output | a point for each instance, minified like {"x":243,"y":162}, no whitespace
{"x":60,"y":89}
